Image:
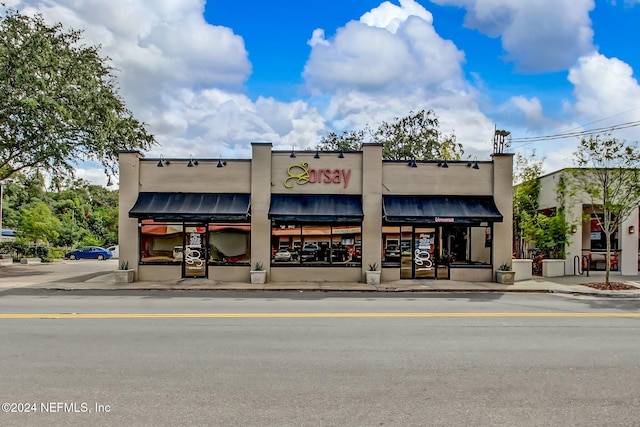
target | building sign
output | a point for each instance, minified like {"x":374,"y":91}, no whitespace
{"x":440,"y":219}
{"x":303,"y":174}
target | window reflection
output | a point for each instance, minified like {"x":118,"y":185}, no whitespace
{"x":316,"y":245}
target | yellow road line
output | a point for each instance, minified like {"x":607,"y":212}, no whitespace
{"x":290,"y":315}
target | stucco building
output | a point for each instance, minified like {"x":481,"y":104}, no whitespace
{"x":328,"y":216}
{"x":587,"y":238}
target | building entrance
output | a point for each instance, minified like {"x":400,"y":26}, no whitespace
{"x":194,"y":259}
{"x":422,"y":253}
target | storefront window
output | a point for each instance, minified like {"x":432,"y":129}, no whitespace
{"x":230,"y":243}
{"x":316,"y":245}
{"x":449,"y":245}
{"x":161,"y":243}
{"x":467,"y":245}
{"x":392,"y":246}
{"x":598,"y":237}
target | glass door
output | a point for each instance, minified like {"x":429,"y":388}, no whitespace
{"x":406,"y":252}
{"x":194,"y":260}
{"x":424,"y":264}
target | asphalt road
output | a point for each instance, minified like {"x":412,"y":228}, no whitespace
{"x":318,"y":359}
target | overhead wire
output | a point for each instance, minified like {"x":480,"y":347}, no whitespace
{"x":523,"y":141}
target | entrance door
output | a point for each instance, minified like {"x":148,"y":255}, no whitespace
{"x":423,"y":253}
{"x":194,"y":260}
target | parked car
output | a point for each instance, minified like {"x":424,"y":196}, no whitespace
{"x":283,"y":255}
{"x":392,"y":253}
{"x":115,"y":251}
{"x":89,"y":252}
{"x":309,"y":252}
{"x":339,"y":253}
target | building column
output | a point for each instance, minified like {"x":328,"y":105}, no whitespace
{"x":371,"y":206}
{"x":628,"y":263}
{"x":260,"y":202}
{"x":503,"y":196}
{"x":574,"y":247}
{"x":129,"y":187}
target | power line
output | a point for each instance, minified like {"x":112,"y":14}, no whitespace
{"x":529,"y":140}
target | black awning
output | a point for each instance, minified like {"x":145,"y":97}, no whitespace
{"x":440,"y":209}
{"x":326,"y":208}
{"x":191,"y":206}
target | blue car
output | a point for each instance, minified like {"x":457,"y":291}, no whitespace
{"x":89,"y":252}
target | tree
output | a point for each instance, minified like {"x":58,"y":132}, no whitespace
{"x":526,"y":191}
{"x":546,"y":230}
{"x":415,"y":136}
{"x":38,"y":223}
{"x":59,"y":103}
{"x":610,"y":179}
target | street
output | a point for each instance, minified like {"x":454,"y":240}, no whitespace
{"x":317,"y":359}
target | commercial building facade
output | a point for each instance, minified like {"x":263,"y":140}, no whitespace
{"x":587,"y":238}
{"x":315,"y":216}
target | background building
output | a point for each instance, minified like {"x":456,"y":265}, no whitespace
{"x":587,"y":238}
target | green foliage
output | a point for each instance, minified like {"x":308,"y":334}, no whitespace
{"x":124,"y":265}
{"x":547,"y":231}
{"x":505,"y":266}
{"x":38,"y":223}
{"x":58,"y":101}
{"x":258,"y":266}
{"x":373,"y":267}
{"x":91,"y":240}
{"x":415,"y":136}
{"x":85,"y":213}
{"x":21,"y":249}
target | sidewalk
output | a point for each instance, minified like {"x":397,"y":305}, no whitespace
{"x":51,"y":278}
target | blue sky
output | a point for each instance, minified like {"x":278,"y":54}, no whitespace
{"x":211,"y":77}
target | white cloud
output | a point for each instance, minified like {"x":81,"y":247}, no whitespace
{"x":391,"y":62}
{"x":540,"y":35}
{"x":604,"y":87}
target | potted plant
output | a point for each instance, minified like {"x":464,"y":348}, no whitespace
{"x":505,"y":274}
{"x":124,"y":274}
{"x":258,"y":274}
{"x":373,"y":274}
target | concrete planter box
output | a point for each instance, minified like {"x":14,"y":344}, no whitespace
{"x":124,"y":276}
{"x":30,"y":261}
{"x":505,"y":277}
{"x":372,"y":277}
{"x":258,"y":277}
{"x":552,"y":267}
{"x":523,"y":270}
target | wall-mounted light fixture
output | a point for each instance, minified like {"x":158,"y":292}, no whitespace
{"x":341,"y":155}
{"x":221,"y":163}
{"x":293,"y":153}
{"x":317,"y":156}
{"x":443,"y":163}
{"x":632,"y":229}
{"x":192,"y":162}
{"x":574,"y":229}
{"x":473,"y":162}
{"x":162,"y":162}
{"x":412,"y":163}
